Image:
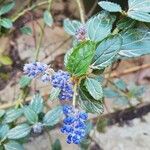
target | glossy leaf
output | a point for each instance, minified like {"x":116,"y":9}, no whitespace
{"x":99,"y":26}
{"x":136,"y":42}
{"x":109,"y":93}
{"x":2,"y":112}
{"x":94,"y":88}
{"x":6,"y":8}
{"x":89,"y":127}
{"x":24,"y":81}
{"x":53,"y":116}
{"x":106,"y":51}
{"x":48,"y":19}
{"x":71,"y":26}
{"x":6,"y":23}
{"x":54,"y":94}
{"x":19,"y":131}
{"x":26,"y":30}
{"x":80,"y":59}
{"x":89,"y":104}
{"x":121,"y":101}
{"x":139,"y":10}
{"x":125,"y":23}
{"x":13,"y":145}
{"x":56,"y":145}
{"x":37,"y":103}
{"x":67,"y":55}
{"x":120,"y":84}
{"x":139,"y":5}
{"x":140,"y":16}
{"x":30,"y":115}
{"x":109,"y":6}
{"x":12,"y":114}
{"x":4,"y":128}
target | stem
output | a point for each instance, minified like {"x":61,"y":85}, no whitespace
{"x":42,"y":34}
{"x":127,"y":71}
{"x":74,"y":95}
{"x":49,"y":138}
{"x":114,"y":74}
{"x":28,"y":9}
{"x":81,"y":10}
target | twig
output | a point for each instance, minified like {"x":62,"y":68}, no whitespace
{"x":28,"y":9}
{"x":74,"y":95}
{"x":81,"y":10}
{"x":92,"y":9}
{"x":127,"y":71}
{"x":114,"y":75}
{"x":126,"y":114}
{"x":49,"y":138}
{"x":42,"y":34}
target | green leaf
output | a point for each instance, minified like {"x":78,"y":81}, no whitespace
{"x":94,"y":88}
{"x":13,"y":145}
{"x":4,"y":128}
{"x":136,"y":42}
{"x":71,"y":26}
{"x":89,"y":127}
{"x":53,"y":116}
{"x":12,"y":114}
{"x":122,"y":101}
{"x":30,"y":115}
{"x":6,"y":8}
{"x":136,"y":91}
{"x":5,"y":60}
{"x":56,"y":145}
{"x":6,"y":23}
{"x":2,"y":112}
{"x":19,"y":131}
{"x":120,"y":84}
{"x":139,"y":10}
{"x":89,"y":104}
{"x":1,"y":147}
{"x":36,"y":103}
{"x":85,"y":144}
{"x":109,"y":6}
{"x":106,"y":51}
{"x":67,"y":55}
{"x":24,"y":81}
{"x":99,"y":26}
{"x":80,"y":59}
{"x":48,"y":19}
{"x":140,"y":16}
{"x":54,"y":94}
{"x":26,"y":30}
{"x":139,"y":5}
{"x":125,"y":23}
{"x":109,"y":93}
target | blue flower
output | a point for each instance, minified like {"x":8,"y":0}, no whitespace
{"x":34,"y":69}
{"x":46,"y":78}
{"x":61,"y":79}
{"x":74,"y":124}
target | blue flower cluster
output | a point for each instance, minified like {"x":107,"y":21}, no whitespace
{"x":34,"y":69}
{"x":81,"y":33}
{"x":46,"y":78}
{"x":61,"y":79}
{"x":74,"y":124}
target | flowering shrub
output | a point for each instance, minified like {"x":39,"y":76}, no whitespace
{"x":97,"y":44}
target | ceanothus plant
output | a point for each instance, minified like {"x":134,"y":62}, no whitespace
{"x":97,"y":44}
